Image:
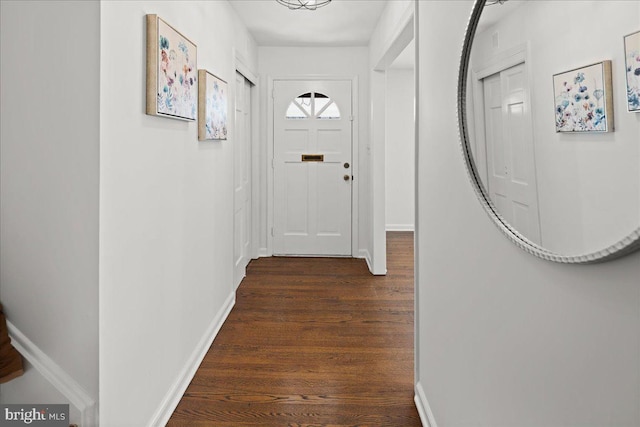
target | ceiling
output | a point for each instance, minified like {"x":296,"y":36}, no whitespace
{"x":340,"y":23}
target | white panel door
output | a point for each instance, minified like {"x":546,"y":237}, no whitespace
{"x":242,"y":179}
{"x":510,"y":156}
{"x":312,"y":167}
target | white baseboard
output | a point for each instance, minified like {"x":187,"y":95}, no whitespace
{"x":262,"y":252}
{"x":173,"y":396}
{"x":400,"y":227}
{"x":424,"y":410}
{"x":237,"y":282}
{"x":59,"y":378}
{"x":364,"y":253}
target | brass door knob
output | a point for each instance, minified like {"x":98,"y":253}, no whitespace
{"x":347,"y":177}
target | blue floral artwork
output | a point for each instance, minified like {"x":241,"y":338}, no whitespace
{"x":177,"y":93}
{"x":632,"y":63}
{"x":580,"y":100}
{"x":213,"y":103}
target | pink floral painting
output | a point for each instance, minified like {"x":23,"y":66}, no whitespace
{"x":173,"y":78}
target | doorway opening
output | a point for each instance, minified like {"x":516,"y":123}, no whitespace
{"x":388,"y":125}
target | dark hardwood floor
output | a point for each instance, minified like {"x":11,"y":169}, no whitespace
{"x":312,"y":342}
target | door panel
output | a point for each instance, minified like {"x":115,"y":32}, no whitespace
{"x":510,"y":156}
{"x":328,"y":223}
{"x":297,"y":181}
{"x":312,"y":200}
{"x":242,"y":178}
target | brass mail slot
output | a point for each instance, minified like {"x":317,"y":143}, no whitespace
{"x":313,"y":157}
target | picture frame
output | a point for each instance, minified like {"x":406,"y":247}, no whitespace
{"x":171,"y":72}
{"x":212,"y":107}
{"x":632,"y":70}
{"x":583,"y":99}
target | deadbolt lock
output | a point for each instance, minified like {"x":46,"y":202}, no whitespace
{"x":346,"y":165}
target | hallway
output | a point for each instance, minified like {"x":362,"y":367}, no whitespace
{"x":312,"y":341}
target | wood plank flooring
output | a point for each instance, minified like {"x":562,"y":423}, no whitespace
{"x":312,"y":342}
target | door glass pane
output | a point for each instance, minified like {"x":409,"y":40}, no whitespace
{"x":304,"y":101}
{"x":300,"y":108}
{"x":320,"y":104}
{"x":294,"y":112}
{"x":310,"y":104}
{"x":331,"y":112}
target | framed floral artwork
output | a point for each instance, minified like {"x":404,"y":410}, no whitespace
{"x":632,"y":67}
{"x":212,"y":107}
{"x":171,"y":72}
{"x":584,"y":99}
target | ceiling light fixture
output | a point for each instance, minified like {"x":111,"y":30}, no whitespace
{"x":304,"y":4}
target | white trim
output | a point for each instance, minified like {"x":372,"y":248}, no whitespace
{"x":422,"y":405}
{"x":355,"y":150}
{"x":262,"y":253}
{"x":58,"y":377}
{"x":503,"y":60}
{"x":367,"y":257}
{"x":244,"y":69}
{"x":173,"y":396}
{"x":400,"y":227}
{"x":402,"y":36}
{"x":416,"y":212}
{"x":378,"y":238}
{"x":255,"y":170}
{"x":239,"y":280}
{"x":269,"y":166}
{"x":253,"y":78}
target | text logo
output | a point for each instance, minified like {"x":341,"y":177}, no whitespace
{"x":34,"y":415}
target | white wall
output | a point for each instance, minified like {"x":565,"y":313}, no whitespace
{"x":400,"y":150}
{"x":576,"y":173}
{"x":505,"y":338}
{"x":166,"y":214}
{"x":49,"y":158}
{"x":280,"y":62}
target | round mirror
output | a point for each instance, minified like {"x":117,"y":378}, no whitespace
{"x":549,"y":115}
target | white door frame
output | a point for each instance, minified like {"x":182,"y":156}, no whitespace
{"x":401,"y":37}
{"x":355,"y":144}
{"x":242,"y":68}
{"x":502,"y":61}
{"x":509,"y":58}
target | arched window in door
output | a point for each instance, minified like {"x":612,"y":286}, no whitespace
{"x":313,"y":104}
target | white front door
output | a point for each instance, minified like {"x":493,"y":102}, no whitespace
{"x":511,"y":171}
{"x":242,"y":179}
{"x":312,"y":167}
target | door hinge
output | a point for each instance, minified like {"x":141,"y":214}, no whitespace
{"x":273,"y":163}
{"x":351,"y":118}
{"x":272,"y":233}
{"x":273,"y":91}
